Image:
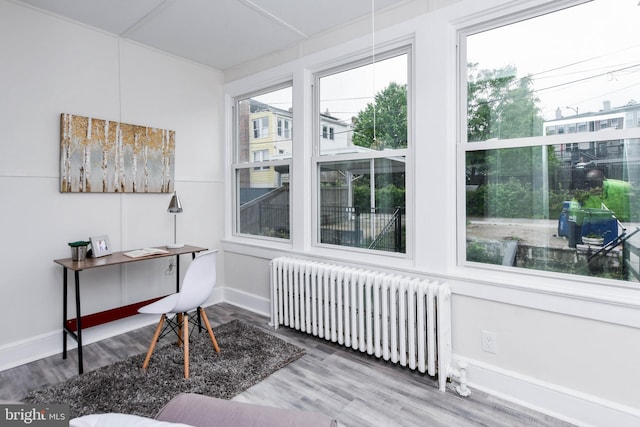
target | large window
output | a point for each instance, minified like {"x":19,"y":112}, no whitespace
{"x":362,"y":143}
{"x":550,"y":148}
{"x":262,"y":163}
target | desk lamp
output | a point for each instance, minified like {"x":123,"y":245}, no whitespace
{"x":175,"y":207}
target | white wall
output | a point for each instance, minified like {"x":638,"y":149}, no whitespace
{"x":567,"y":347}
{"x":52,"y":66}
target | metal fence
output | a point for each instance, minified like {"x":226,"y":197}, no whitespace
{"x":275,"y":219}
{"x":379,"y":229}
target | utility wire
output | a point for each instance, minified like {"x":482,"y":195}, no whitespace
{"x":589,"y":77}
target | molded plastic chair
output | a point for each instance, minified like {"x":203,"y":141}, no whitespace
{"x":197,"y":286}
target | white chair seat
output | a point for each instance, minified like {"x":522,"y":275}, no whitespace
{"x":164,"y":305}
{"x":197,"y":286}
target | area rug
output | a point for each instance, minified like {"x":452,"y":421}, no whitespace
{"x":247,"y":356}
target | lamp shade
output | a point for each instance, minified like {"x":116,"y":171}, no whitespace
{"x":174,"y":205}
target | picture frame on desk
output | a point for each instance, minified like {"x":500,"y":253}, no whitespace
{"x":100,"y":246}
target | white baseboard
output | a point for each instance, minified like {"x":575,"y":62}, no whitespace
{"x":248,"y":301}
{"x":49,"y":344}
{"x":28,"y":350}
{"x":569,"y":405}
{"x":45,"y":345}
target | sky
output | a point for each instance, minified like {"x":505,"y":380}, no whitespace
{"x":578,"y":57}
{"x":346,"y":93}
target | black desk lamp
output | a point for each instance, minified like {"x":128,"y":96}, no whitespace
{"x":175,"y":207}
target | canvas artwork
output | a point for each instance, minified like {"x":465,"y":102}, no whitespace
{"x":102,"y":156}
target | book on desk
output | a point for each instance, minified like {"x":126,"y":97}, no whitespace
{"x":138,"y":253}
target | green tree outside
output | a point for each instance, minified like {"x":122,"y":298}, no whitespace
{"x":502,"y":106}
{"x":389,"y":114}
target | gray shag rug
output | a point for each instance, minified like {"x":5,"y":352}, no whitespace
{"x":247,"y":356}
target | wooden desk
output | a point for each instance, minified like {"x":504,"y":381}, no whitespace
{"x":73,"y":327}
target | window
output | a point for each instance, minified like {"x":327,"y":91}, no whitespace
{"x":284,"y":128}
{"x":261,"y":127}
{"x":261,"y":156}
{"x":262,"y":163}
{"x":361,"y":154}
{"x":550,"y":187}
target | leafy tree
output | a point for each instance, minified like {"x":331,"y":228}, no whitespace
{"x":389,"y":114}
{"x":501,"y":105}
{"x":389,"y":196}
{"x":390,"y":109}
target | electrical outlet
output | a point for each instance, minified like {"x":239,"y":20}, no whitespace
{"x":489,"y":342}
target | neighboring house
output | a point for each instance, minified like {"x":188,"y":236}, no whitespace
{"x":270,"y":137}
{"x":267,"y":134}
{"x":608,"y":155}
{"x":335,"y":135}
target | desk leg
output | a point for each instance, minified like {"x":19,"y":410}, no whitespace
{"x":193,"y":255}
{"x":64,"y":312}
{"x":177,"y":273}
{"x":65,"y":330}
{"x":79,"y":323}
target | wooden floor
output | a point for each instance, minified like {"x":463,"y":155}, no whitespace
{"x":356,"y":389}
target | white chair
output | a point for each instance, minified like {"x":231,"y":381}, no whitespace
{"x":197,"y":286}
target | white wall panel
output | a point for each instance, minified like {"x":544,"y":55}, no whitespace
{"x":51,"y":66}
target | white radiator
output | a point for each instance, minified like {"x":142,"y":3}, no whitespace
{"x":401,"y":319}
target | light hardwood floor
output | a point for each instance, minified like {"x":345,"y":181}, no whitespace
{"x":356,"y":389}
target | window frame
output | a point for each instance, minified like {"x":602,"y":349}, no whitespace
{"x":404,"y":47}
{"x":257,"y":166}
{"x":561,"y":136}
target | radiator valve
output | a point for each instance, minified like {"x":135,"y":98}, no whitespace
{"x":460,"y":375}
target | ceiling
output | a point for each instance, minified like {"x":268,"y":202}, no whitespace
{"x":217,"y":33}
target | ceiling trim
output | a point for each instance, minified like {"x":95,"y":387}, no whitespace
{"x":274,"y":18}
{"x":146,"y":18}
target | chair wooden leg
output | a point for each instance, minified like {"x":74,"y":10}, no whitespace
{"x":185,"y":340}
{"x":208,"y":325}
{"x":179,"y":330}
{"x":154,"y":341}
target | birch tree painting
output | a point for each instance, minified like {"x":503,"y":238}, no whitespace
{"x":103,"y":156}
